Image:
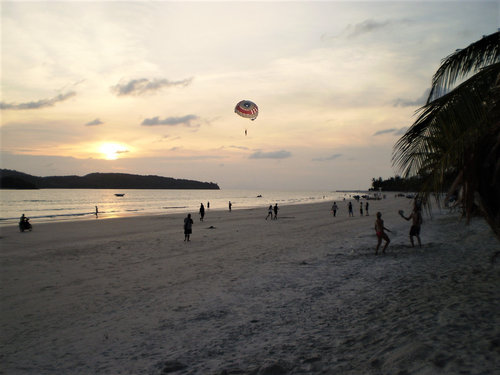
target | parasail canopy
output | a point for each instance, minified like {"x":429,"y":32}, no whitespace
{"x":247,"y":109}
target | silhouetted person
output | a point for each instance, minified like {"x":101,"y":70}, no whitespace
{"x":208,"y":205}
{"x":24,"y":223}
{"x":276,"y":211}
{"x":202,"y":211}
{"x":416,"y":217}
{"x":361,"y":208}
{"x":188,"y":227}
{"x":381,"y":235}
{"x":230,"y":206}
{"x":366,"y":209}
{"x":350,"y":209}
{"x":334,"y":209}
{"x":270,"y":212}
{"x":96,"y":212}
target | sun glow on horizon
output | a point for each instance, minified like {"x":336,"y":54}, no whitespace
{"x":112,"y":151}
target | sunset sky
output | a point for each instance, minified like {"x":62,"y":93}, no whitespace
{"x":150,"y":87}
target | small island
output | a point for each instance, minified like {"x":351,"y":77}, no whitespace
{"x":10,"y":179}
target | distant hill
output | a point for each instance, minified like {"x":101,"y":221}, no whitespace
{"x":10,"y":179}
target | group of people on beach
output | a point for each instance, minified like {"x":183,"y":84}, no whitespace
{"x":270,"y":211}
{"x":188,"y":221}
{"x":415,"y":217}
{"x":350,"y":210}
{"x":380,"y":229}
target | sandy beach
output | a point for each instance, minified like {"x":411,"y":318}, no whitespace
{"x":303,"y":294}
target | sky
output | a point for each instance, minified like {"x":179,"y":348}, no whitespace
{"x":150,"y":87}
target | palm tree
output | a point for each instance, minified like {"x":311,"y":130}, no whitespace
{"x":456,"y":136}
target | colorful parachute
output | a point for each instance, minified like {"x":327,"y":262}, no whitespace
{"x":247,"y":109}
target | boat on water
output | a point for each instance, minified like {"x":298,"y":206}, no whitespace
{"x":119,"y":195}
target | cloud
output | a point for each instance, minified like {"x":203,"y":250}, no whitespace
{"x":419,"y":102}
{"x":94,"y":122}
{"x":331,"y":157}
{"x":401,"y":131}
{"x":145,"y":86}
{"x":394,"y":131}
{"x":168,"y":138}
{"x":172,"y":121}
{"x":271,"y":155}
{"x":43,"y":103}
{"x":365,"y":27}
{"x":384,"y":131}
{"x":234,"y":147}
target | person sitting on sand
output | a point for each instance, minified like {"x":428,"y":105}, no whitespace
{"x":188,"y":227}
{"x":416,"y":217}
{"x":380,"y":230}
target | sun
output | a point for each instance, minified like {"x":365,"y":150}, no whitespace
{"x":112,"y":151}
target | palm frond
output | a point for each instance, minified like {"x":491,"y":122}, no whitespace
{"x":447,"y":125}
{"x":463,"y":62}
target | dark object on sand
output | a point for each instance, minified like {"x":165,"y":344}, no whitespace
{"x":25,"y":225}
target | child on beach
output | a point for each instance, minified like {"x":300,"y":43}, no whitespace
{"x":188,"y":227}
{"x":380,"y":230}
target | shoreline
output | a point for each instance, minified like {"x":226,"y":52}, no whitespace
{"x":63,"y":206}
{"x":301,"y":294}
{"x":90,"y":216}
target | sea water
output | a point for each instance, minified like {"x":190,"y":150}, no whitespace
{"x":45,"y":205}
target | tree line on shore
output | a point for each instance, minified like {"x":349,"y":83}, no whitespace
{"x":397,"y":183}
{"x":10,"y":179}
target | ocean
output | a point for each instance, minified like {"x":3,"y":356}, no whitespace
{"x":48,"y":205}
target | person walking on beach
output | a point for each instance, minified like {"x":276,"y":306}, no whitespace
{"x":334,"y":209}
{"x":230,"y":206}
{"x":208,"y":205}
{"x":270,"y":212}
{"x":188,"y":227}
{"x":416,"y":217}
{"x":202,"y":211}
{"x":366,"y":208}
{"x":380,"y":230}
{"x":276,"y":211}
{"x":350,"y":209}
{"x":361,"y":208}
{"x":96,"y":212}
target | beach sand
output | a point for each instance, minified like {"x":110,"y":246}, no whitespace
{"x":303,"y":294}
